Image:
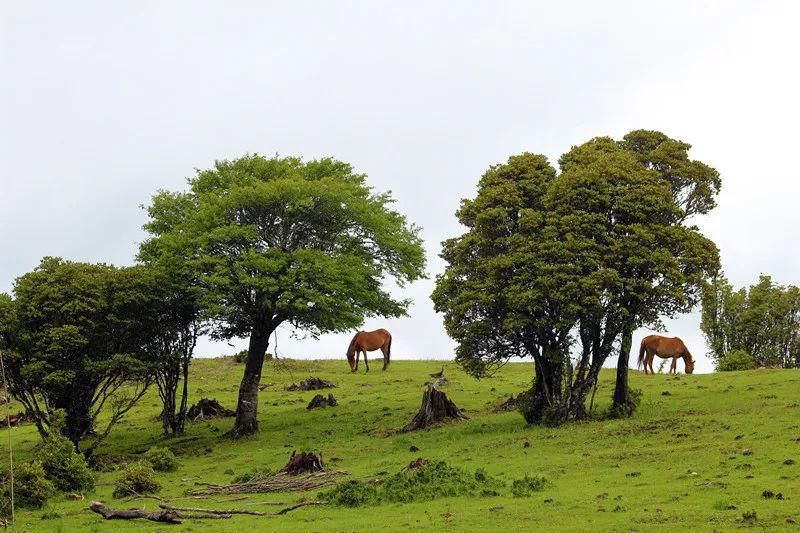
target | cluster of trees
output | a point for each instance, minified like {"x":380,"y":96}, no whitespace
{"x":758,"y":326}
{"x":254,"y":243}
{"x":552,"y":264}
{"x":82,"y":337}
{"x":555,"y":264}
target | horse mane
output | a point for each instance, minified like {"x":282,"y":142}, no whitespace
{"x":352,"y":347}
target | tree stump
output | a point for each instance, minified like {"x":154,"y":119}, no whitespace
{"x":436,"y":408}
{"x":206,"y":408}
{"x":302,"y":462}
{"x":321,"y":401}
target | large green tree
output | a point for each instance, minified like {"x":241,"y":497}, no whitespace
{"x":643,"y":192}
{"x":553,"y":265}
{"x":76,"y":338}
{"x":279,"y":240}
{"x":762,"y":320}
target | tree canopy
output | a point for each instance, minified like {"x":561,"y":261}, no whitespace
{"x":76,"y":337}
{"x":279,"y":240}
{"x":762,"y":320}
{"x":552,"y":260}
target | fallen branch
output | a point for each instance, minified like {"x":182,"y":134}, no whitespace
{"x":213,"y":511}
{"x":277,"y":483}
{"x":170,"y":517}
{"x":202,"y":515}
{"x":297,"y":506}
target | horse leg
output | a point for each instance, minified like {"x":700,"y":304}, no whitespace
{"x":652,"y":358}
{"x":365,"y":360}
{"x":674,"y":368}
{"x":385,"y":357}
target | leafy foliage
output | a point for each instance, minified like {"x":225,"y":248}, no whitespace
{"x":274,"y":240}
{"x":762,"y":320}
{"x":65,"y":467}
{"x":553,"y":261}
{"x":77,"y":337}
{"x":735,"y":360}
{"x":162,"y":459}
{"x":527,"y":485}
{"x":351,"y":493}
{"x":424,"y":483}
{"x":32,"y":489}
{"x":137,"y":477}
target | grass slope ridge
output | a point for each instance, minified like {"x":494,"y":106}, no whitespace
{"x":700,"y":452}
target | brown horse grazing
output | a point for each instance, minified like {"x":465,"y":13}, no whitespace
{"x":369,"y":341}
{"x":665,"y":348}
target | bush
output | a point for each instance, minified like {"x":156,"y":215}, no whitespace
{"x":137,"y":478}
{"x":528,"y":485}
{"x":735,"y":360}
{"x":65,"y":467}
{"x":241,"y":357}
{"x":351,"y":493}
{"x":32,"y":489}
{"x":423,"y":483}
{"x":162,"y":459}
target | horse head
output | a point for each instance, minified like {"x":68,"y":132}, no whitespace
{"x":689,"y":365}
{"x":351,"y":360}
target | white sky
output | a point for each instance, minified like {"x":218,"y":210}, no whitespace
{"x":102,"y":103}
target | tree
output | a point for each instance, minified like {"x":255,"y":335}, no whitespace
{"x":76,"y":337}
{"x":278,"y":240}
{"x":500,"y":294}
{"x":180,"y":321}
{"x":694,"y":184}
{"x":551,"y":261}
{"x":661,"y":261}
{"x":762,"y":321}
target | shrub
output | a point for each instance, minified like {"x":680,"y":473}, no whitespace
{"x":526,"y":486}
{"x":735,"y":360}
{"x":241,"y":357}
{"x":351,"y":493}
{"x":65,"y":467}
{"x":162,"y":459}
{"x":137,"y":478}
{"x":32,"y":489}
{"x":423,"y":483}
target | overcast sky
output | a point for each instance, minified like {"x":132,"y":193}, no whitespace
{"x":102,"y":103}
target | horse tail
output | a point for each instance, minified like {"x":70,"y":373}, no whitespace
{"x":389,"y":351}
{"x":642,"y":350}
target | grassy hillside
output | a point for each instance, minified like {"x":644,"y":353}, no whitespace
{"x":698,"y":447}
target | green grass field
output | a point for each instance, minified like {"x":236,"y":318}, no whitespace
{"x":698,"y":453}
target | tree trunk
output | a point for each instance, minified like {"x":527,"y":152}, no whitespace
{"x":545,"y":405}
{"x":180,"y":423}
{"x":247,"y":408}
{"x":77,"y":422}
{"x":622,"y":402}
